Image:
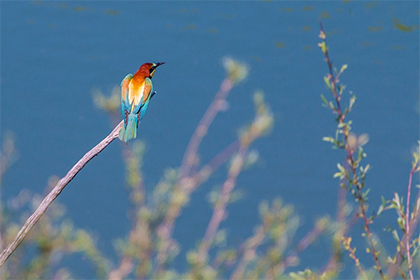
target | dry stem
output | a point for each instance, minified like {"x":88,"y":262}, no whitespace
{"x":39,"y":212}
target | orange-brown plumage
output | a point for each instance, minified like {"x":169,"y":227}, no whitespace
{"x":136,"y":91}
{"x":144,"y":71}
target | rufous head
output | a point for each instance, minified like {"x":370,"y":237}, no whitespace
{"x":148,"y":69}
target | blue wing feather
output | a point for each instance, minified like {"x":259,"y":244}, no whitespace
{"x":145,"y":103}
{"x":130,"y":121}
{"x":125,"y":103}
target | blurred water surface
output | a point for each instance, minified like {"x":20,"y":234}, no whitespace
{"x":54,"y":53}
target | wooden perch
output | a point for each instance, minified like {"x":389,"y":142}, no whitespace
{"x":39,"y":212}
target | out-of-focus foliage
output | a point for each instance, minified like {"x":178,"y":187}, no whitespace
{"x":54,"y":237}
{"x":272,"y":252}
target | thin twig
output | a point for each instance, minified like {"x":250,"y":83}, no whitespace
{"x":39,"y":212}
{"x":222,"y":201}
{"x":352,"y":254}
{"x":412,"y":223}
{"x":356,"y":182}
{"x":407,"y":225}
{"x":304,"y":243}
{"x":205,"y":172}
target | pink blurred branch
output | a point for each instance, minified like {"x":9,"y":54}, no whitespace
{"x":222,"y":201}
{"x":202,"y":128}
{"x":186,"y":184}
{"x":249,"y":252}
{"x":409,"y":224}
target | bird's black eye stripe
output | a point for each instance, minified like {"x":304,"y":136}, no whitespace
{"x":152,"y":69}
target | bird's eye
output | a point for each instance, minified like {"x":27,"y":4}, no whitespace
{"x":152,"y":69}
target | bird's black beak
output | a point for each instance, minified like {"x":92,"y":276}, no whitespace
{"x":159,"y":63}
{"x":153,"y":68}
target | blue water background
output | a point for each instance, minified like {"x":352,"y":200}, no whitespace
{"x":54,"y":53}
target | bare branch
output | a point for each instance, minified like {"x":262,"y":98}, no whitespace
{"x":249,"y":253}
{"x":202,"y":128}
{"x":39,"y":212}
{"x":220,"y":207}
{"x":165,"y":229}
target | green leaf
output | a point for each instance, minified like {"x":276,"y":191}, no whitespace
{"x":351,"y":102}
{"x":360,"y":156}
{"x":396,"y":200}
{"x":236,"y":71}
{"x":220,"y":238}
{"x":381,"y":208}
{"x":341,"y":88}
{"x":328,"y":139}
{"x":344,"y":67}
{"x":401,"y":223}
{"x":323,"y":47}
{"x":364,"y":195}
{"x":340,"y":167}
{"x":327,"y":82}
{"x":367,"y":167}
{"x":324,"y":100}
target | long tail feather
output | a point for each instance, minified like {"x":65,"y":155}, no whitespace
{"x":130,"y":130}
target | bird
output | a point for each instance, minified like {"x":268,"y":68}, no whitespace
{"x":136,"y":92}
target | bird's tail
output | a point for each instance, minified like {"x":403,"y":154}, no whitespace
{"x":129,"y":131}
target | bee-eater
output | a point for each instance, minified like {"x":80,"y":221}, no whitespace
{"x":136,"y":92}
